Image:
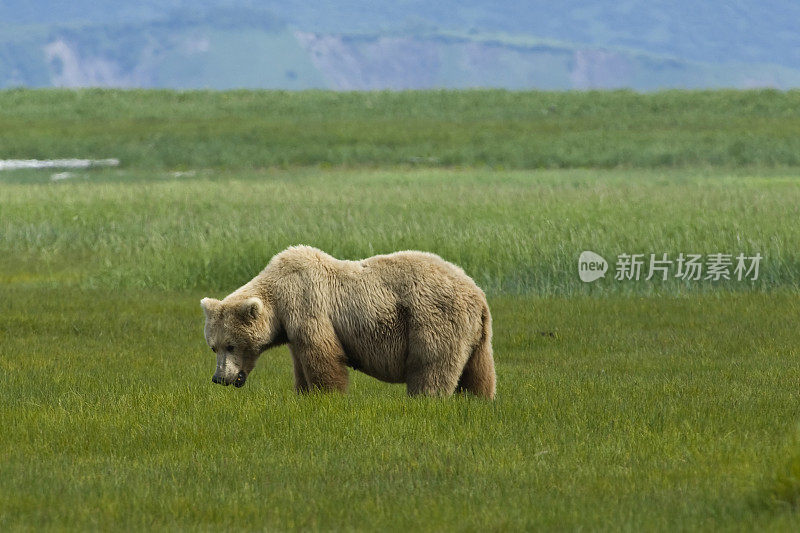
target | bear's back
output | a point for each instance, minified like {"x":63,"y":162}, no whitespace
{"x":404,"y":275}
{"x":413,"y":267}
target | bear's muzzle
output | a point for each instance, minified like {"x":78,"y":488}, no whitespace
{"x":241,"y":377}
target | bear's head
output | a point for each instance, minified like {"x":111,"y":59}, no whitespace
{"x":238,"y":330}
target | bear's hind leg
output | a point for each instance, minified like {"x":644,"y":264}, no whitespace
{"x":435,"y":374}
{"x":435,"y":360}
{"x":478,"y":376}
{"x":300,"y":382}
{"x":431,"y":381}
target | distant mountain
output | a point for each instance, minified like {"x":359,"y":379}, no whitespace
{"x":402,"y":44}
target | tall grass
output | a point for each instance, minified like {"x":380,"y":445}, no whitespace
{"x":514,"y":232}
{"x":252,"y":129}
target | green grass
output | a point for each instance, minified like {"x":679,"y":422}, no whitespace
{"x":784,"y":491}
{"x":642,"y":413}
{"x":652,"y":406}
{"x":235,"y":130}
{"x":516,"y":232}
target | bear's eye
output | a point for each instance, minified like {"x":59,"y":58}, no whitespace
{"x":229,"y":348}
{"x":213,"y":349}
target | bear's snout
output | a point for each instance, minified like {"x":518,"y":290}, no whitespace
{"x":241,"y":377}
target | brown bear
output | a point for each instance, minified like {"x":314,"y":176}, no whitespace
{"x":407,"y":317}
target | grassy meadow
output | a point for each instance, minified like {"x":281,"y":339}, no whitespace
{"x":630,"y":405}
{"x":495,"y":128}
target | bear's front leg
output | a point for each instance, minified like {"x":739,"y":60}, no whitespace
{"x":320,"y":365}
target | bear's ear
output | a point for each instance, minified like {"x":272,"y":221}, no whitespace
{"x":251,"y":308}
{"x":209,"y":305}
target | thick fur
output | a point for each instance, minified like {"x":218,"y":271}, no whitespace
{"x":407,"y":317}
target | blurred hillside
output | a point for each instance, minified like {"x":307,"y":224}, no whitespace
{"x":406,"y":44}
